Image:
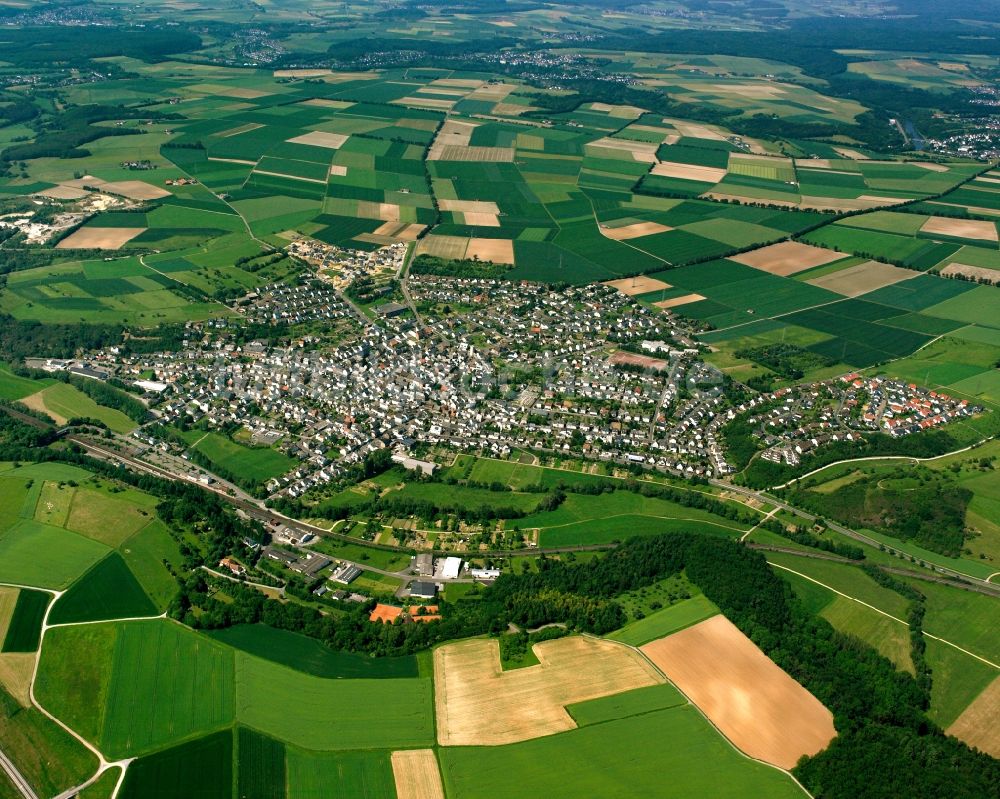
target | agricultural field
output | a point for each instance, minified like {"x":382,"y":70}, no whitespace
{"x":254,"y":464}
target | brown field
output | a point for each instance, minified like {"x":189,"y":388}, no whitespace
{"x":637,"y":285}
{"x":470,"y":206}
{"x":634,"y":359}
{"x":101,"y":238}
{"x":857,"y":280}
{"x":301,"y":73}
{"x":319,"y":138}
{"x":481,"y":220}
{"x":404,"y":231}
{"x":322,"y":102}
{"x":338,"y":170}
{"x":975,"y":272}
{"x":8,"y":599}
{"x":695,"y":130}
{"x":417,"y":775}
{"x":37,"y":403}
{"x":499,"y":251}
{"x":442,"y":246}
{"x":814,"y":163}
{"x":639,"y":150}
{"x":633,"y":231}
{"x":706,"y":174}
{"x":492,"y":93}
{"x":930,"y":165}
{"x":677,"y":301}
{"x":876,"y":200}
{"x":787,"y":258}
{"x":63,"y":193}
{"x":981,"y":179}
{"x":225,"y":134}
{"x":425,"y":102}
{"x":387,"y":212}
{"x":978,"y":725}
{"x":16,"y":669}
{"x":961,"y":228}
{"x":135,"y":190}
{"x":854,"y":155}
{"x":479,"y":704}
{"x":755,"y":704}
{"x":465,"y":83}
{"x":972,"y":209}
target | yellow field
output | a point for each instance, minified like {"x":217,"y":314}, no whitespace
{"x":978,"y":725}
{"x":99,"y":238}
{"x":16,"y":670}
{"x":417,"y":775}
{"x":479,"y":704}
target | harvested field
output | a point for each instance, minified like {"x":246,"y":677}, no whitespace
{"x":499,"y":251}
{"x":677,"y":301}
{"x":877,"y":200}
{"x":481,"y":220}
{"x":977,"y":273}
{"x":405,"y":231}
{"x":301,"y":73}
{"x":319,"y":138}
{"x":705,"y":174}
{"x":857,"y":280}
{"x":387,"y":212}
{"x":225,"y":134}
{"x":695,"y":131}
{"x":634,"y":231}
{"x":961,"y":228}
{"x":977,"y":725}
{"x":16,"y":669}
{"x":338,"y":170}
{"x":417,"y":775}
{"x":854,"y":155}
{"x":469,"y":206}
{"x":755,"y":704}
{"x":289,"y":177}
{"x":425,"y":102}
{"x":323,"y":102}
{"x":637,"y":285}
{"x":135,"y":190}
{"x":787,"y":258}
{"x":930,"y":166}
{"x":478,"y":704}
{"x":742,"y":198}
{"x":100,"y":238}
{"x":639,"y":150}
{"x":452,"y":133}
{"x":36,"y":402}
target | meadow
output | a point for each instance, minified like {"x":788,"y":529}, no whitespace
{"x":256,"y":464}
{"x":665,"y":621}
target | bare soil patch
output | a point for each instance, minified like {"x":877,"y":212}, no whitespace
{"x":323,"y":102}
{"x":705,"y":174}
{"x":425,"y":102}
{"x":319,"y":138}
{"x":695,"y":130}
{"x":63,"y":193}
{"x":977,"y":725}
{"x":499,"y":251}
{"x":641,"y":284}
{"x":135,"y":190}
{"x":101,"y":238}
{"x":961,"y":228}
{"x":787,"y":258}
{"x":755,"y":704}
{"x":478,"y":704}
{"x":417,"y":775}
{"x":454,"y":152}
{"x":857,"y":280}
{"x":338,"y":170}
{"x":666,"y":305}
{"x":633,"y":231}
{"x":930,"y":166}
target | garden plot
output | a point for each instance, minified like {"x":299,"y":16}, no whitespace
{"x":479,"y":704}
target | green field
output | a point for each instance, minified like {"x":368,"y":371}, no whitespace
{"x":333,"y":714}
{"x":623,"y":705}
{"x":66,"y":555}
{"x":666,"y":621}
{"x":64,"y":402}
{"x":256,"y":464}
{"x":662,"y":753}
{"x":357,"y":775}
{"x":260,"y":766}
{"x":201,"y":768}
{"x":108,"y":591}
{"x":25,"y":625}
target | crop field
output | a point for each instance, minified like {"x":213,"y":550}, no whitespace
{"x":260,"y":772}
{"x":417,"y":775}
{"x":108,"y":591}
{"x":977,"y":724}
{"x":198,"y":768}
{"x":528,"y":702}
{"x":364,"y":774}
{"x":145,"y":554}
{"x":777,"y":721}
{"x":644,"y":752}
{"x":68,"y":555}
{"x":405,"y":718}
{"x":25,"y":622}
{"x":310,"y":656}
{"x":623,"y":705}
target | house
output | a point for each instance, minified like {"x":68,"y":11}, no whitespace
{"x":234,"y":566}
{"x":422,"y":589}
{"x":423,"y":564}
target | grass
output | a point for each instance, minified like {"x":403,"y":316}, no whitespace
{"x":66,"y":402}
{"x":107,"y":591}
{"x":310,"y":656}
{"x":39,"y":554}
{"x":199,"y":769}
{"x":90,"y":511}
{"x":629,"y":703}
{"x":324,"y":714}
{"x":25,"y":625}
{"x":257,"y":464}
{"x":358,"y":775}
{"x":48,"y":757}
{"x":13,"y":387}
{"x":962,"y":617}
{"x":144,"y":553}
{"x":666,"y":621}
{"x":889,"y":638}
{"x":104,"y":787}
{"x":99,"y":678}
{"x":623,"y":757}
{"x":957,"y":680}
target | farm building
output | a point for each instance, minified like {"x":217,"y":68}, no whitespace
{"x":423,"y":590}
{"x":451,"y":568}
{"x":423,"y":564}
{"x":346,"y":573}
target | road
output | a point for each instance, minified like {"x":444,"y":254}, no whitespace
{"x":22,"y":785}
